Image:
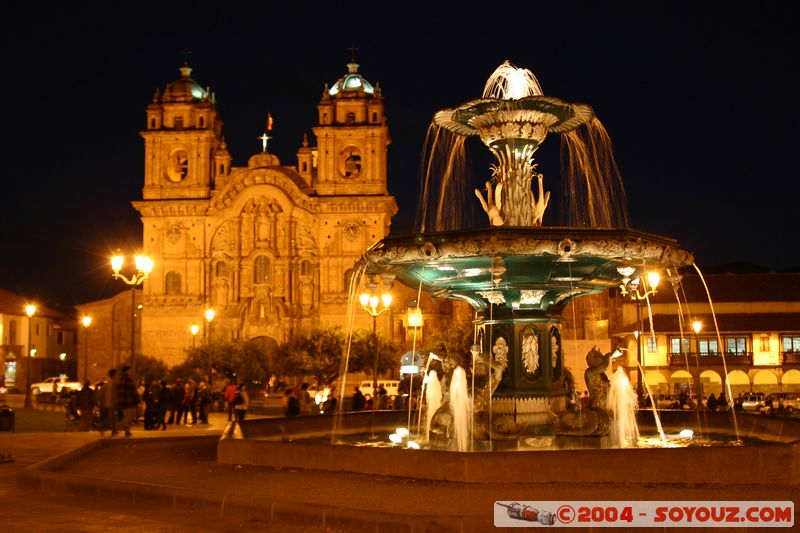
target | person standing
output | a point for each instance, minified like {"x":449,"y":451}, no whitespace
{"x":164,"y":401}
{"x":176,"y":405}
{"x":241,"y":403}
{"x":230,"y":396}
{"x":128,"y":400}
{"x":291,"y":407}
{"x":86,"y":404}
{"x":203,"y":401}
{"x":358,"y":400}
{"x":109,"y":403}
{"x":305,"y":399}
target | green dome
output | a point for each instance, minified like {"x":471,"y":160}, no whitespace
{"x":184,"y":89}
{"x":352,"y":81}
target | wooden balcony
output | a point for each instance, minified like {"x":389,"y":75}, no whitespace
{"x":731,"y":360}
{"x":791,"y":358}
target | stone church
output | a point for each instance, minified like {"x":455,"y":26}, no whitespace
{"x":268,"y":246}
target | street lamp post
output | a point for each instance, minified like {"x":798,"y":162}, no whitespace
{"x":697,"y":326}
{"x":30,"y":310}
{"x":210,"y":314}
{"x":144,"y":265}
{"x":86,"y":321}
{"x":375,"y":305}
{"x":639,"y":289}
{"x":194,"y":329}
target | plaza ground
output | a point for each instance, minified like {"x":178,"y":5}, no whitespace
{"x":170,"y":481}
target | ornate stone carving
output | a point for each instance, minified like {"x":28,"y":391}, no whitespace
{"x":493,"y":297}
{"x":530,"y":351}
{"x":173,"y":234}
{"x":531,"y":296}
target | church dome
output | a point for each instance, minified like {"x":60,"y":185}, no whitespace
{"x":184,"y":89}
{"x":351,"y":82}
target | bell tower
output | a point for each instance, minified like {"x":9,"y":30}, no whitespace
{"x":352,"y":138}
{"x":182,"y":138}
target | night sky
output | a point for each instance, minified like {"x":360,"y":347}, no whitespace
{"x":699,"y":102}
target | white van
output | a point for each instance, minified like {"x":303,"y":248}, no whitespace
{"x":390,"y":385}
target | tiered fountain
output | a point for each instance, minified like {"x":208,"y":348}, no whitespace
{"x":518,"y":276}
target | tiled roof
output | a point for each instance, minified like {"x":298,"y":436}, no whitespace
{"x":729,"y":323}
{"x":769,"y":287}
{"x":13,"y":304}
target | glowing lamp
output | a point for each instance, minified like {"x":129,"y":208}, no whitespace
{"x":210,"y":314}
{"x":386,"y":298}
{"x":30,"y":310}
{"x":415,"y":318}
{"x":116,"y":263}
{"x":194,"y":328}
{"x":364,"y":299}
{"x":143,"y":263}
{"x":697,"y":326}
{"x":653,"y":279}
{"x":63,"y":356}
{"x":86,"y":321}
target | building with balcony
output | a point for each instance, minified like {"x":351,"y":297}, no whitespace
{"x":744,"y":330}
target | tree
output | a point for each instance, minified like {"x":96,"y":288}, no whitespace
{"x":453,"y":341}
{"x":362,"y":353}
{"x":246,"y":360}
{"x":149,"y":368}
{"x":316,"y":352}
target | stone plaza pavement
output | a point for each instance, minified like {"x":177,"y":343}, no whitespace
{"x":170,"y":481}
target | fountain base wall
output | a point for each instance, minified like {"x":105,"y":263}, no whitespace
{"x":258,"y":442}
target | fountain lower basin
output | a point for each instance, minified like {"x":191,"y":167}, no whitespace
{"x":777,"y":460}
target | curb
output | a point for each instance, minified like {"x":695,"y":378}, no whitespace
{"x":40,"y":477}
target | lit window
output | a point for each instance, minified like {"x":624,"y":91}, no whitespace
{"x":651,"y":345}
{"x":791,"y":343}
{"x":709,"y":346}
{"x":736,"y":345}
{"x":678,"y":345}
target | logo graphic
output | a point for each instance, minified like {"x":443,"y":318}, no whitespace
{"x":518,"y":511}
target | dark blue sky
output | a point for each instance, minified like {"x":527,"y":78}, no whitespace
{"x":698,"y":100}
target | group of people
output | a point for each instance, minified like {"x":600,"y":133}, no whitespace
{"x":121,"y":403}
{"x":297,"y":401}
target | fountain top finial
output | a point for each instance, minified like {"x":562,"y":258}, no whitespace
{"x":509,"y":82}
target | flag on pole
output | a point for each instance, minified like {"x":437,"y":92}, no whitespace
{"x":269,"y":121}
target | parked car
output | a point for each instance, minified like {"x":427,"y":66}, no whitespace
{"x":752,"y":402}
{"x":46,"y":386}
{"x":785,"y":402}
{"x":391,"y":386}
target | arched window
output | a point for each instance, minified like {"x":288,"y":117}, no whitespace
{"x":348,"y":279}
{"x":305,"y":268}
{"x":172,"y":283}
{"x":12,"y":332}
{"x":261,"y":269}
{"x":222,"y":270}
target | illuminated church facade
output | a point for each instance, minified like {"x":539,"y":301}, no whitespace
{"x":268,"y":247}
